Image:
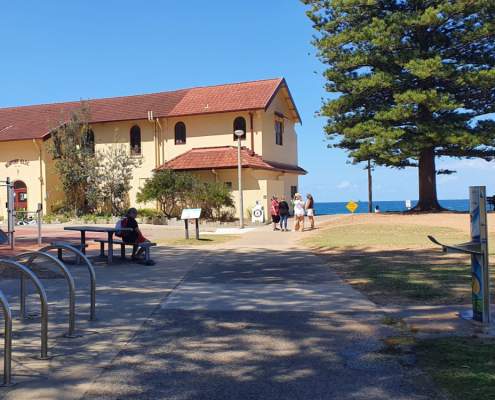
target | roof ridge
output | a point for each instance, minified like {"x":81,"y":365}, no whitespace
{"x":280,"y":79}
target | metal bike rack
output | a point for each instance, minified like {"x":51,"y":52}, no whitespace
{"x":92,"y":274}
{"x":44,"y":302}
{"x":477,"y":248}
{"x":32,"y":255}
{"x":7,"y":345}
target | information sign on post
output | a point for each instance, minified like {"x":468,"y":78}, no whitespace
{"x":191,"y":213}
{"x":477,"y":248}
{"x":479,"y":261}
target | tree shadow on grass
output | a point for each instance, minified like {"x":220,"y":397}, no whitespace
{"x":404,"y":276}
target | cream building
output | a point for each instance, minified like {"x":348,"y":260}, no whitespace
{"x":190,"y":129}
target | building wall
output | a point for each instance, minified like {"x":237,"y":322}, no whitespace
{"x":27,"y":168}
{"x":205,"y":131}
{"x":118,"y":134}
{"x":287,"y":152}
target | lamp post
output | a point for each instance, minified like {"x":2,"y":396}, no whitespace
{"x":240,"y":133}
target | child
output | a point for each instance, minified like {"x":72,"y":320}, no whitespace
{"x":283,"y":210}
{"x":135,"y":236}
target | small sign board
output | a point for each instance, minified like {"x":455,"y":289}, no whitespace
{"x":190,"y":213}
{"x":352,"y":206}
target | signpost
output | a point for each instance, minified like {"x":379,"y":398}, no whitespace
{"x":477,"y":248}
{"x":191,"y":213}
{"x":352,"y":206}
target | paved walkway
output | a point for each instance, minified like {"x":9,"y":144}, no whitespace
{"x":257,"y":318}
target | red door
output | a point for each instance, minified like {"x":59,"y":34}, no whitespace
{"x":20,"y":195}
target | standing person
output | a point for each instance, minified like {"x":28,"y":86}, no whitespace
{"x":135,"y":236}
{"x":310,"y":210}
{"x":283,"y":208}
{"x":274,"y":211}
{"x":298,"y":212}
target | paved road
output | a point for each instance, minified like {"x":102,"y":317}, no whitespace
{"x":259,"y":318}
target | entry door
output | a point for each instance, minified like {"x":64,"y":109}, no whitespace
{"x":20,"y":195}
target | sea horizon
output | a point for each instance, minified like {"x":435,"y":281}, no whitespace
{"x":339,"y":207}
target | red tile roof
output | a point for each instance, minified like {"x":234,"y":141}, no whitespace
{"x":224,"y":157}
{"x":36,"y":122}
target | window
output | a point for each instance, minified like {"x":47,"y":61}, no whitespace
{"x":135,"y":140}
{"x":279,"y":131}
{"x":240,"y":125}
{"x":293,"y":191}
{"x":89,"y":143}
{"x":228,"y":185}
{"x":180,"y":133}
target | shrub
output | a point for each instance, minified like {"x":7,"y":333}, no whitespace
{"x":177,"y":190}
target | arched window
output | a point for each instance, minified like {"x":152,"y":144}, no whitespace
{"x":240,"y":125}
{"x":90,"y":141}
{"x":135,"y":140}
{"x":180,"y":133}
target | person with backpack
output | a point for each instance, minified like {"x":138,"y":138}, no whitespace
{"x":283,"y":210}
{"x":135,"y":236}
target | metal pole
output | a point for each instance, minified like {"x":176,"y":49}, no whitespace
{"x":7,"y":353}
{"x":38,"y":220}
{"x":370,"y":188}
{"x":239,"y":175}
{"x":10,"y":213}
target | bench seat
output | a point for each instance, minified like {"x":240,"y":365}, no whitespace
{"x":145,"y":245}
{"x":76,"y":245}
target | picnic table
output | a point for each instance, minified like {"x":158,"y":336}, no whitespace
{"x":110,"y":231}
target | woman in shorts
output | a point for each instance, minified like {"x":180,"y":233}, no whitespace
{"x":310,"y":210}
{"x":298,"y":212}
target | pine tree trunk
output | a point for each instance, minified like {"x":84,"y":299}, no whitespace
{"x":427,"y":182}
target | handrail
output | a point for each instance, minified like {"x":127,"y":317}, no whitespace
{"x":44,"y":302}
{"x":91,"y":270}
{"x":68,"y":277}
{"x":7,"y":345}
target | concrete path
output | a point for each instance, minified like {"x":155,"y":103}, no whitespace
{"x":258,"y":318}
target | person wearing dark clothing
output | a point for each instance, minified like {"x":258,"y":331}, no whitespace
{"x":283,"y":209}
{"x":135,"y":236}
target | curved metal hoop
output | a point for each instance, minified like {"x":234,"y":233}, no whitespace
{"x":68,"y":277}
{"x":44,"y":302}
{"x":7,"y":352}
{"x":91,"y":270}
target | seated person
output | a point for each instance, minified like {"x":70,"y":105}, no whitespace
{"x":135,"y":236}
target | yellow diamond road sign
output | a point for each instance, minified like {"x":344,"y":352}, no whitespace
{"x":352,"y":206}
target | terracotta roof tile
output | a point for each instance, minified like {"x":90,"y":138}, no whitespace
{"x":35,"y":122}
{"x":224,"y":157}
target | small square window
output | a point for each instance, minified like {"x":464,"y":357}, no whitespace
{"x":229,"y":185}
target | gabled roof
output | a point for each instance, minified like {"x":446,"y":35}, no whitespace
{"x":36,"y":122}
{"x":222,"y":158}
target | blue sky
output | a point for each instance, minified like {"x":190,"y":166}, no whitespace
{"x":66,"y":50}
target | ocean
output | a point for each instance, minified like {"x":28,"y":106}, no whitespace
{"x":339,"y":207}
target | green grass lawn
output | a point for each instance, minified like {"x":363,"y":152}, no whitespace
{"x":464,"y":367}
{"x":203,"y":240}
{"x":397,"y":264}
{"x":384,"y":235}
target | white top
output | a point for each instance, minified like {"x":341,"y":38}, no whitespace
{"x":298,"y":208}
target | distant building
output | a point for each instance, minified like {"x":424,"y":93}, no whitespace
{"x":184,"y":130}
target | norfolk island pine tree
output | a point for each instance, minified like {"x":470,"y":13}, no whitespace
{"x":415,"y":81}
